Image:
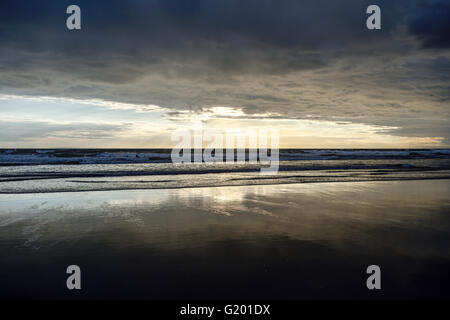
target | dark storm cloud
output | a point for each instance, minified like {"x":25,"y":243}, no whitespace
{"x":287,"y":58}
{"x":129,"y":39}
{"x":430,"y":22}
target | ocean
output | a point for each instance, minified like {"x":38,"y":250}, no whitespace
{"x":63,"y":170}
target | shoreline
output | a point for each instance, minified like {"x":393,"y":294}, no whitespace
{"x":231,"y":185}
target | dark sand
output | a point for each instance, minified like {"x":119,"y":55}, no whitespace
{"x":298,"y":241}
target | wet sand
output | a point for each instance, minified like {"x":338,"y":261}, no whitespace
{"x":296,"y":241}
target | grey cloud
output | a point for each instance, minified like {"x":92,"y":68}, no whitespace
{"x":430,"y":22}
{"x":34,"y":130}
{"x":294,"y":59}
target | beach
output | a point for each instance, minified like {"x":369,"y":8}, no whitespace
{"x":283,"y":241}
{"x":248,"y":153}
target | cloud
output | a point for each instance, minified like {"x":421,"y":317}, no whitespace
{"x":34,"y":131}
{"x":262,"y":58}
{"x":113,"y":105}
{"x":430,"y":23}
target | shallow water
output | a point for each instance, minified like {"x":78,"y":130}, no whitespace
{"x":102,"y":177}
{"x":294,"y":241}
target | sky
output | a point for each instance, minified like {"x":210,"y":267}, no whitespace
{"x":140,"y":69}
